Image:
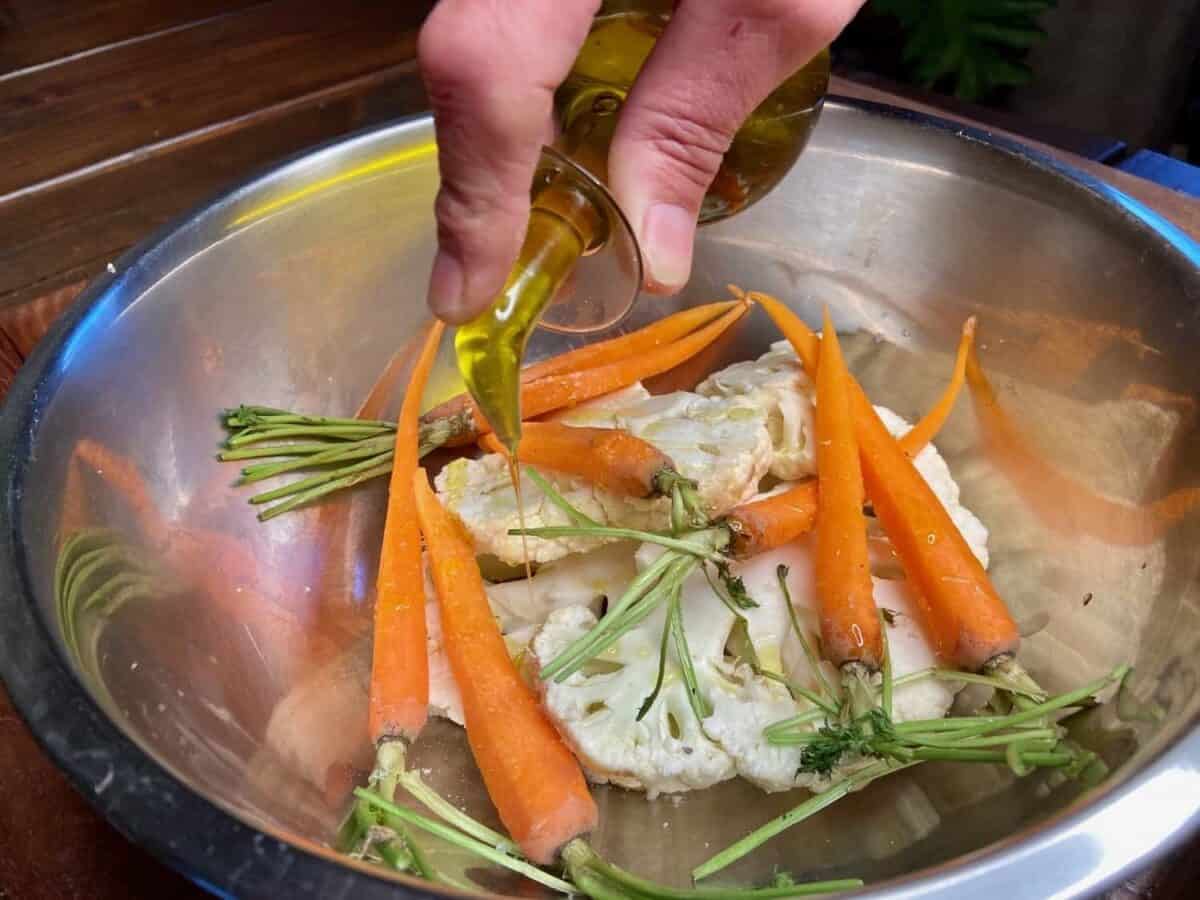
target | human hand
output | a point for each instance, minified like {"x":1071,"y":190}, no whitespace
{"x":491,"y":68}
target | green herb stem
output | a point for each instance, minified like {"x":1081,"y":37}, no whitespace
{"x":330,"y":432}
{"x":328,"y":456}
{"x":805,"y":810}
{"x":260,"y":452}
{"x":416,"y":788}
{"x":583,"y":862}
{"x":690,"y":547}
{"x":699,"y":703}
{"x":575,"y":516}
{"x":663,"y":648}
{"x":315,"y":481}
{"x":340,"y":483}
{"x":582,"y":649}
{"x":466,"y":842}
{"x":814,"y":661}
{"x":634,"y":616}
{"x":1033,"y":713}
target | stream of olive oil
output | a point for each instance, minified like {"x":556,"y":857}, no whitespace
{"x":514,"y":475}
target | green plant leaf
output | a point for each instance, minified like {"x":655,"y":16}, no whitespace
{"x":998,"y":71}
{"x":1019,"y":38}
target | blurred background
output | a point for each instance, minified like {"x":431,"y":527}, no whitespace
{"x":116,"y":116}
{"x":1115,"y":69}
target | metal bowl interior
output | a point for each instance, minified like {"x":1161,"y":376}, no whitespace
{"x":237,"y":697}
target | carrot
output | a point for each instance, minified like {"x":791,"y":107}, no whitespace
{"x":534,"y":781}
{"x":122,"y":474}
{"x":400,"y":365}
{"x":1063,"y":503}
{"x":561,"y":391}
{"x":761,"y":525}
{"x":849,"y":622}
{"x":966,"y":620}
{"x":644,"y":340}
{"x":923,"y":432}
{"x":607,"y":457}
{"x":399,"y":694}
{"x":334,"y":591}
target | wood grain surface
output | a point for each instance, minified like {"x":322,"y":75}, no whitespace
{"x":115,"y":117}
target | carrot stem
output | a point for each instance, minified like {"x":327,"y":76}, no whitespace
{"x":399,"y":692}
{"x":479,"y":848}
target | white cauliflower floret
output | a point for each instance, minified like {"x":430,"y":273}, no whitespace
{"x":777,"y":384}
{"x":480,"y":493}
{"x":581,"y":579}
{"x":596,"y":707}
{"x":746,"y":705}
{"x":445,"y":701}
{"x":520,"y":606}
{"x":722,"y":445}
{"x":603,"y":411}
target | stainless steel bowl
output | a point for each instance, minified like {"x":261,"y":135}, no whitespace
{"x":218,"y":717}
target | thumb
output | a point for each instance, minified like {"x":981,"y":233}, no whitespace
{"x":715,"y":62}
{"x":490,"y":70}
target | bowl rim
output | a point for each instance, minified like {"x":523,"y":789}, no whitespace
{"x":224,"y":854}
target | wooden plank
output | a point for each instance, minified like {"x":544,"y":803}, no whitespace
{"x":69,"y":229}
{"x":58,"y":120}
{"x":40,"y":32}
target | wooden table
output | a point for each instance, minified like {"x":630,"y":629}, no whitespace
{"x":116,"y":116}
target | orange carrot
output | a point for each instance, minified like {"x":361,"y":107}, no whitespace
{"x":966,"y":620}
{"x":399,"y":695}
{"x":568,"y":389}
{"x":534,"y":781}
{"x":400,"y":366}
{"x":762,"y":525}
{"x":607,"y":457}
{"x":923,"y":432}
{"x":965,"y":616}
{"x":122,"y":474}
{"x":849,"y":622}
{"x":644,"y":340}
{"x":1063,"y":503}
{"x":564,"y":391}
{"x":334,"y":592}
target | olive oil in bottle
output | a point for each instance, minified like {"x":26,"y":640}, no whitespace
{"x":762,"y":151}
{"x":571,"y":215}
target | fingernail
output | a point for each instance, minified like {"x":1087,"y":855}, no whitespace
{"x":446,"y":288}
{"x":667,"y":232}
